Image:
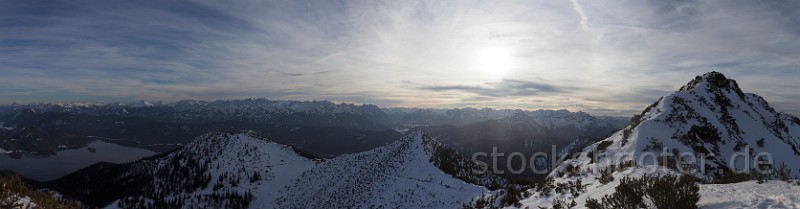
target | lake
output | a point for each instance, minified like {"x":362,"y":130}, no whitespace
{"x":44,"y":168}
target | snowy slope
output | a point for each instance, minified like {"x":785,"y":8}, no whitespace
{"x":749,"y":194}
{"x":243,"y":170}
{"x":399,"y":175}
{"x":712,"y":115}
{"x":21,"y":202}
{"x":710,"y":118}
{"x":224,"y":163}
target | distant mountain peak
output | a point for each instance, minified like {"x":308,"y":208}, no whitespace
{"x":521,"y":115}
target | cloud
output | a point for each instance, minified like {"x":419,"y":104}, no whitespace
{"x":291,"y":74}
{"x":506,"y":88}
{"x":578,"y":9}
{"x":581,"y":55}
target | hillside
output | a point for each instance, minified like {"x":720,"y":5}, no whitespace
{"x":527,"y":132}
{"x":244,"y":170}
{"x":216,"y":170}
{"x":403,"y":174}
{"x":696,"y":131}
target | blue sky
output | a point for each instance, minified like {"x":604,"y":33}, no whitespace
{"x":602,"y":57}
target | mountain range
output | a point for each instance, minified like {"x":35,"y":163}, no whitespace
{"x":318,"y":127}
{"x":701,"y":146}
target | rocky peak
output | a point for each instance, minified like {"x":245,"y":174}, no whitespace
{"x":714,"y":82}
{"x":712,"y":115}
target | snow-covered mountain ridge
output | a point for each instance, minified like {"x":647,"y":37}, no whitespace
{"x":709,"y":129}
{"x":218,"y":170}
{"x":255,"y":109}
{"x":712,"y":116}
{"x":244,"y":170}
{"x":405,"y":174}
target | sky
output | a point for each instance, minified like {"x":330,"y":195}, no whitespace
{"x":601,"y":57}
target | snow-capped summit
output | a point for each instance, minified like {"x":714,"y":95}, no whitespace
{"x":713,"y":117}
{"x":217,"y":170}
{"x":711,"y":80}
{"x":145,"y":103}
{"x":708,"y":128}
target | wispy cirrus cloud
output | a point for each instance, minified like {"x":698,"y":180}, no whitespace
{"x":505,"y":88}
{"x":581,"y":55}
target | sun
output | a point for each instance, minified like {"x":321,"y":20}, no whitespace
{"x":495,"y":60}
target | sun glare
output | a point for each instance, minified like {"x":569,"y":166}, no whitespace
{"x":495,"y":60}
